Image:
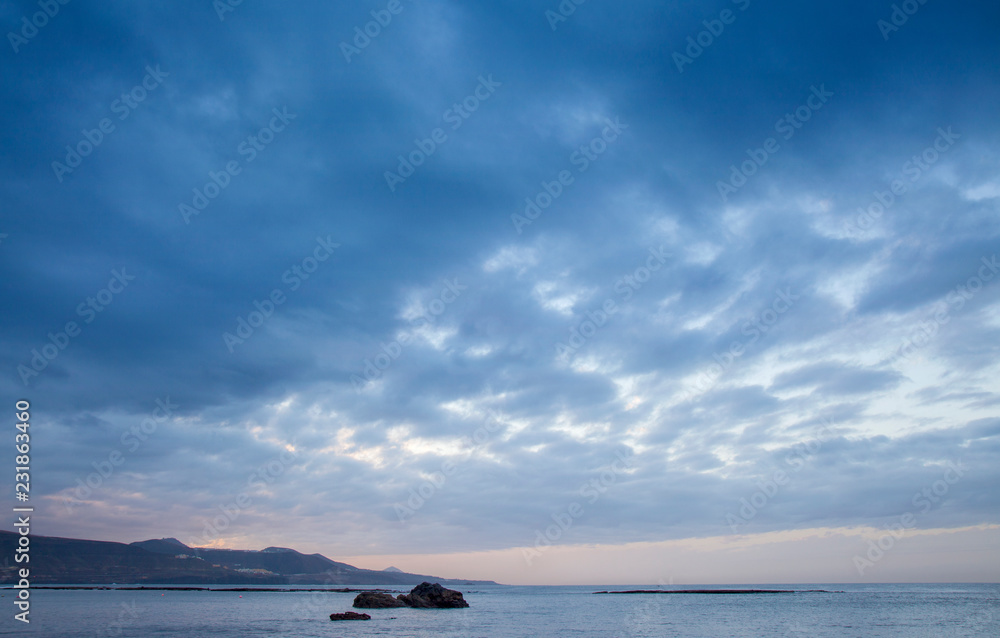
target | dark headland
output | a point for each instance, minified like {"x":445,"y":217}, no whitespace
{"x":167,"y":561}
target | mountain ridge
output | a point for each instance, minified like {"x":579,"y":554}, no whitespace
{"x":57,"y":560}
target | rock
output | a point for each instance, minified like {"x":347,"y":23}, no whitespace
{"x":350,"y":615}
{"x":376,"y":600}
{"x":428,"y":596}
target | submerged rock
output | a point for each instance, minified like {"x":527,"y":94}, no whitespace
{"x":350,"y":615}
{"x":376,"y":600}
{"x":428,"y":596}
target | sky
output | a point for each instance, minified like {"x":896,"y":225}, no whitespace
{"x":530,"y":291}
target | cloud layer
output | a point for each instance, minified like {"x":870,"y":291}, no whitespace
{"x":415,"y":286}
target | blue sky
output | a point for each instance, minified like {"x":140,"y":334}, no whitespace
{"x":417,"y":278}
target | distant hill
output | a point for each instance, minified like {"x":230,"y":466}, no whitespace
{"x":168,"y":561}
{"x":393,"y":570}
{"x":162,"y":546}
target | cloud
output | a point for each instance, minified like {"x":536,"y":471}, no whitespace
{"x":769,"y":314}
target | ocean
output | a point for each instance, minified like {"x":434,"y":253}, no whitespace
{"x":856,"y":611}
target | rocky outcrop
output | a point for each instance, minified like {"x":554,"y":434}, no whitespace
{"x":376,"y":600}
{"x":350,"y":615}
{"x":428,"y":596}
{"x":423,"y":596}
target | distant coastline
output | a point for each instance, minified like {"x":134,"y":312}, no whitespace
{"x":167,"y":562}
{"x":354,"y":590}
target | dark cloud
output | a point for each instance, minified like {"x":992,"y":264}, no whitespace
{"x":771,"y":313}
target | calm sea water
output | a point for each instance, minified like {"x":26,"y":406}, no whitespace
{"x":913,"y":611}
